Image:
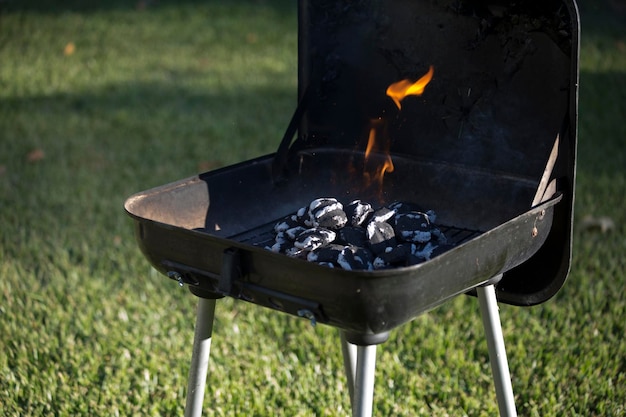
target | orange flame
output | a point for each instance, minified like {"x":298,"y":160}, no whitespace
{"x":399,"y":90}
{"x":374,"y":144}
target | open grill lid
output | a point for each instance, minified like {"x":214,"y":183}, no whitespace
{"x":504,"y":86}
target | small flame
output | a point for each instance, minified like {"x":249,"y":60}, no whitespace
{"x":399,"y":90}
{"x":379,"y":143}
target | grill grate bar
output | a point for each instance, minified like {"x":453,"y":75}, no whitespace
{"x":264,"y":235}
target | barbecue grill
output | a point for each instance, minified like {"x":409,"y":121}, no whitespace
{"x":488,"y":143}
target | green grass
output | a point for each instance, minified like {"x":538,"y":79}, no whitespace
{"x":154,"y":94}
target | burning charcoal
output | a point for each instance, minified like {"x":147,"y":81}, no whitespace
{"x":295,"y":252}
{"x":362,"y":254}
{"x":312,"y":239}
{"x":357,"y":212}
{"x":380,"y":236}
{"x":424,"y":252}
{"x":402,"y":208}
{"x":413,"y":227}
{"x":382,"y":215}
{"x":397,"y":255}
{"x":427,"y":252}
{"x":294,"y":232}
{"x":393,"y":256}
{"x":280,"y":247}
{"x":438,"y":236}
{"x":328,"y":254}
{"x":352,"y":236}
{"x":379,"y":263}
{"x":432,"y":216}
{"x":281,"y":243}
{"x":301,"y":215}
{"x":328,"y":213}
{"x":357,"y":237}
{"x":286,"y":223}
{"x":352,"y":258}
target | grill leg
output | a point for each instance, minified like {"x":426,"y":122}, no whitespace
{"x":349,"y":364}
{"x":200,"y":357}
{"x":364,"y":381}
{"x":497,"y":353}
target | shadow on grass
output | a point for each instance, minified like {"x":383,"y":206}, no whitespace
{"x":87,"y":7}
{"x":161,"y":109}
{"x":143,"y":102}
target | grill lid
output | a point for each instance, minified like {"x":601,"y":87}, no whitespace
{"x":504,"y":87}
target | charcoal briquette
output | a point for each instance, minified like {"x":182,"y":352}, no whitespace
{"x":327,"y":213}
{"x":424,"y":251}
{"x":396,"y":255}
{"x":281,"y":246}
{"x":358,"y":212}
{"x":352,"y":258}
{"x":438,"y":236}
{"x":296,"y":252}
{"x":413,"y":227}
{"x":294,"y":232}
{"x":286,"y":224}
{"x":382,"y":215}
{"x":380,"y":235}
{"x":302,"y":214}
{"x":328,"y":253}
{"x":313,"y":238}
{"x":358,"y":237}
{"x":401,"y":207}
{"x":352,"y":236}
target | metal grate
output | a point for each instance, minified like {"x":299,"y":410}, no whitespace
{"x":264,"y":235}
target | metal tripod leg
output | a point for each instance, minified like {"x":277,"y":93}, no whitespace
{"x":349,"y":364}
{"x":497,"y":353}
{"x":360,"y":372}
{"x":200,"y":357}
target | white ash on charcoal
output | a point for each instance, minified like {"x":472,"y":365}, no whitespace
{"x":413,"y":227}
{"x":313,"y":238}
{"x":356,"y":236}
{"x":358,"y":211}
{"x":355,"y":258}
{"x":326,"y":212}
{"x":380,"y":236}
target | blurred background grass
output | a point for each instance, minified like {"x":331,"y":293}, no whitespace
{"x":100,"y":100}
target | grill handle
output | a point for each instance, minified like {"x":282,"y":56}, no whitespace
{"x":231,"y":271}
{"x":280,"y":159}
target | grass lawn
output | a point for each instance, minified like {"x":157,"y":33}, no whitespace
{"x":100,"y":100}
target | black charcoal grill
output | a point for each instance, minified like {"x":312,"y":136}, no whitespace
{"x":489,"y":145}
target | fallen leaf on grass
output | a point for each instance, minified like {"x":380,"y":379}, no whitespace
{"x":252,"y":38}
{"x":69,"y":49}
{"x":602,"y":223}
{"x":3,"y":169}
{"x":35,"y":155}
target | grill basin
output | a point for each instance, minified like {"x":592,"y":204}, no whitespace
{"x":209,"y":230}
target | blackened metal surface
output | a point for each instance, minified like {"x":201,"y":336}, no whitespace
{"x":500,"y":92}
